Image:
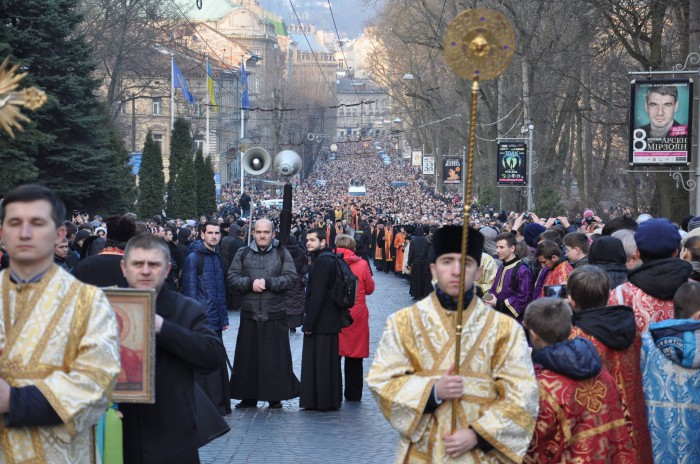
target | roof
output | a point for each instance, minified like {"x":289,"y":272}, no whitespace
{"x":211,"y":10}
{"x":280,"y":26}
{"x":303,"y":45}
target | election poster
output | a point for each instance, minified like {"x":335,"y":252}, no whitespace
{"x":661,"y":116}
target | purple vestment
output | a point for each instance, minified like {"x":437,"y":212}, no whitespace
{"x":512,"y":301}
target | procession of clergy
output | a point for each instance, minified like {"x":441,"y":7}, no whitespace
{"x":603,"y":373}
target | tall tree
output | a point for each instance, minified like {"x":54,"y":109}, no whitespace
{"x":180,"y":144}
{"x":180,"y":149}
{"x":185,"y":194}
{"x":151,"y":179}
{"x":206,"y":188}
{"x":70,"y":139}
{"x":199,"y":175}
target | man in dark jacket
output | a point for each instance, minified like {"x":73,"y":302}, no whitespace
{"x":294,"y":298}
{"x":262,"y":364}
{"x":203,"y":280}
{"x":321,"y":385}
{"x":228,"y":249}
{"x":166,"y":431}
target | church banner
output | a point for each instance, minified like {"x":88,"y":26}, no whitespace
{"x":661,"y":121}
{"x":416,"y":157}
{"x":512,"y":162}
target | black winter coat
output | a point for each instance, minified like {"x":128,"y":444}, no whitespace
{"x":166,"y":432}
{"x":321,"y":316}
{"x":101,"y":271}
{"x":294,"y":298}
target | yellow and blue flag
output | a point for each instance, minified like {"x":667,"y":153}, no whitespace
{"x":210,"y":86}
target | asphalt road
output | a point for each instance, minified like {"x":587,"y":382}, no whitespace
{"x":357,"y":433}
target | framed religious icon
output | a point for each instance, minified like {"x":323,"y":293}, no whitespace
{"x":135,"y":311}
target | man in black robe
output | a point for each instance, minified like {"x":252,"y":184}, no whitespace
{"x":321,"y":384}
{"x":262,"y":364}
{"x":419,"y":264}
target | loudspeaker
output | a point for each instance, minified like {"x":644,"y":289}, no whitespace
{"x":287,"y":163}
{"x":256,"y":161}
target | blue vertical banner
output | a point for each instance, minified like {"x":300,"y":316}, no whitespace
{"x":179,"y":82}
{"x":245,"y":99}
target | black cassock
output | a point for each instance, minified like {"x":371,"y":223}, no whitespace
{"x":262,"y":368}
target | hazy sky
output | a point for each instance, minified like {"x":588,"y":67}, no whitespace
{"x":350,"y":15}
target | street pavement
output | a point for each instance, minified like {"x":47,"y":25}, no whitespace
{"x":356,"y":433}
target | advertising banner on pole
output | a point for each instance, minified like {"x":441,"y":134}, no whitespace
{"x":416,"y":157}
{"x":452,"y":171}
{"x":511,"y":159}
{"x":661,"y":116}
{"x":429,"y":165}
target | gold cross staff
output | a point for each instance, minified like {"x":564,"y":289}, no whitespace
{"x":479,"y":45}
{"x":11,"y":100}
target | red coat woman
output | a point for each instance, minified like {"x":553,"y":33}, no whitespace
{"x":354,"y":339}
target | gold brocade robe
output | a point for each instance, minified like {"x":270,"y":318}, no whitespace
{"x":61,"y":336}
{"x":500,"y":400}
{"x":488,"y":272}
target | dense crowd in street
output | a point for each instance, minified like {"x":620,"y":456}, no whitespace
{"x":578,"y":341}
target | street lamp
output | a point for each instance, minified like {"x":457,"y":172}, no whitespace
{"x":243,"y":145}
{"x":528,"y":129}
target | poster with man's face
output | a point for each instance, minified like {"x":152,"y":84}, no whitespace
{"x":661,"y":122}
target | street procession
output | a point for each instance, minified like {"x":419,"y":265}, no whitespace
{"x":367,"y":231}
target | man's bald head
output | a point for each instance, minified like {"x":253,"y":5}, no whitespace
{"x":263,"y":224}
{"x":262,"y":233}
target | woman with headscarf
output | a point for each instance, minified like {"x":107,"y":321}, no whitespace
{"x":608,"y":253}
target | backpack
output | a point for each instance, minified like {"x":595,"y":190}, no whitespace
{"x":514,"y":274}
{"x":344,"y":290}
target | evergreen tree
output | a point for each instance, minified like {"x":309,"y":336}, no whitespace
{"x":208,"y":190}
{"x":199,"y":176}
{"x":151,"y":179}
{"x":185,"y":194}
{"x":206,"y":187}
{"x":68,"y":146}
{"x":180,"y":149}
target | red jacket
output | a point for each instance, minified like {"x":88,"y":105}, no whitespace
{"x":354,"y":340}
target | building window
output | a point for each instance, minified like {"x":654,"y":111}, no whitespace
{"x":157,"y":106}
{"x":158,"y":138}
{"x":198,"y":145}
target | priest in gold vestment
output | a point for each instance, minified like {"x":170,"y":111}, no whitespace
{"x":412,"y":374}
{"x":59,"y":342}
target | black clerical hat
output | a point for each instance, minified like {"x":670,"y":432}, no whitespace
{"x":448,"y":239}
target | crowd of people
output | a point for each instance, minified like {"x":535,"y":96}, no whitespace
{"x":578,"y":338}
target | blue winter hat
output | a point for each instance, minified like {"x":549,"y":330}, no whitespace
{"x":532,"y":231}
{"x":657,"y":238}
